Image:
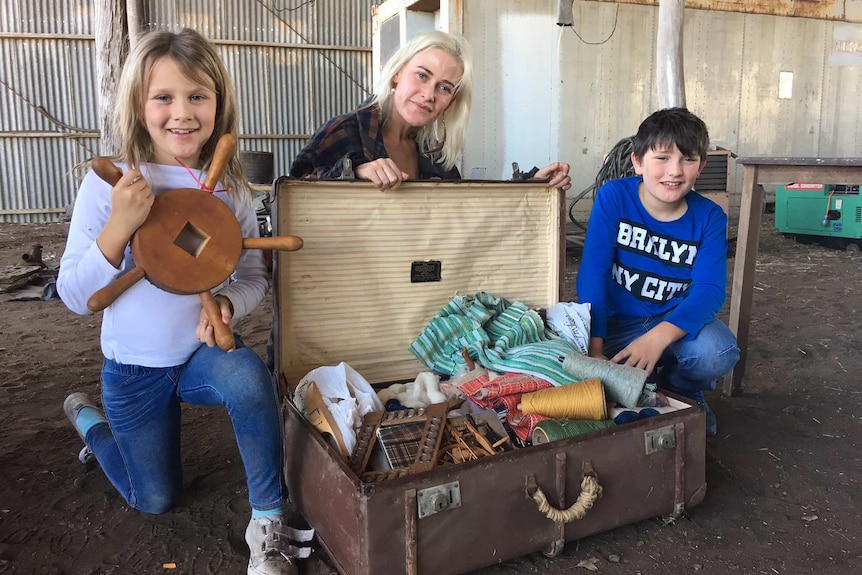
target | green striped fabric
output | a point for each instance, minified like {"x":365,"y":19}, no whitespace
{"x":501,"y":336}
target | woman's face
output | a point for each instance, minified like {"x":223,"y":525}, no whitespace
{"x":425,"y":87}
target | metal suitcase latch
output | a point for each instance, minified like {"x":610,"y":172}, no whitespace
{"x":659,"y":439}
{"x":438,"y":498}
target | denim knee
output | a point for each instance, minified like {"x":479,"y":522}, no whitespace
{"x":710,"y":366}
{"x":726,"y":359}
{"x":248,"y":380}
{"x":154,"y":504}
{"x":708,"y":356}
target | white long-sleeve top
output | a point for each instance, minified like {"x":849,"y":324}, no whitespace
{"x":148,"y":326}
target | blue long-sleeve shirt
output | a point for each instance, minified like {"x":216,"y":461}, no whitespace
{"x":636,"y":266}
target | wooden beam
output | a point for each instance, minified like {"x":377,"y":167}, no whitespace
{"x":111,"y":49}
{"x":670,"y":79}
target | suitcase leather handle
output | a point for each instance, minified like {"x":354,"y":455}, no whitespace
{"x":590,"y":491}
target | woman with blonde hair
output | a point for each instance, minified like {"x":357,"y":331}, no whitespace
{"x":413,"y":127}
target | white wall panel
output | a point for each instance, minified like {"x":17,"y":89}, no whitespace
{"x":601,"y":85}
{"x":841,"y":116}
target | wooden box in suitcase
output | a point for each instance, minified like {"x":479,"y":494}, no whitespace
{"x":374,"y":269}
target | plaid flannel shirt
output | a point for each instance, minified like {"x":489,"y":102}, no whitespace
{"x":356,"y":136}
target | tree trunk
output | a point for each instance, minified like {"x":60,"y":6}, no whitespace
{"x":111,"y":50}
{"x":670,"y":77}
{"x":135,"y":20}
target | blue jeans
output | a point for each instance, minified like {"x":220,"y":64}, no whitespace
{"x":688,"y":367}
{"x":139,"y":450}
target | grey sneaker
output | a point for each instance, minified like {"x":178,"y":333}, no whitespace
{"x":85,"y":456}
{"x":275,"y":547}
{"x":268,"y":548}
{"x":73,"y":404}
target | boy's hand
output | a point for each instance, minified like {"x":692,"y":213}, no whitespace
{"x":645,"y":351}
{"x":596,"y":348}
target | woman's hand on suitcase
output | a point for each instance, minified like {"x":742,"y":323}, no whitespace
{"x":383,"y":173}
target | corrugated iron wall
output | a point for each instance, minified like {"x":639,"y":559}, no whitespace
{"x":294,"y":66}
{"x":297,"y":64}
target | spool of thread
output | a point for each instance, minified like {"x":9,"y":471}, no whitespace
{"x":579,"y":400}
{"x":549,"y":430}
{"x":623,"y":383}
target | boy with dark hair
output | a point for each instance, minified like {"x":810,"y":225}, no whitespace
{"x":654,"y":267}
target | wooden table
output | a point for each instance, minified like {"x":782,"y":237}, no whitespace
{"x":777,"y":171}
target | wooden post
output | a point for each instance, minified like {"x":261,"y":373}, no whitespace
{"x":670,"y":78}
{"x":135,"y":20}
{"x":111,"y":49}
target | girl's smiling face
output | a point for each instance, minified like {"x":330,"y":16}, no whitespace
{"x":425,"y":86}
{"x":179,"y":114}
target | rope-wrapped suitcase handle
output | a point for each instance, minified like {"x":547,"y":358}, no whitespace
{"x":590,"y":491}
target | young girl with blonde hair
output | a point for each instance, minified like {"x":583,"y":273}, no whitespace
{"x":175,"y":102}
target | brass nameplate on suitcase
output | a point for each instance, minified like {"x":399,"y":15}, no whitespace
{"x":426,"y":271}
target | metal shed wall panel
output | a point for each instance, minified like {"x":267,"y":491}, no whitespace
{"x":54,"y":74}
{"x":565,"y":98}
{"x":46,"y":17}
{"x":604,"y":84}
{"x":292,"y":68}
{"x":850,"y":10}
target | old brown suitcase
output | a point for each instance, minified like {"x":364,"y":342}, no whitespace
{"x":374,"y":269}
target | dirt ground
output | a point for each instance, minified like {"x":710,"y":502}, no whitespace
{"x":783,"y":474}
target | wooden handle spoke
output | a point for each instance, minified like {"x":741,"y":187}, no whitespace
{"x":282,"y":243}
{"x":109,"y":294}
{"x":224,"y":151}
{"x":223,"y":332}
{"x":106,"y":170}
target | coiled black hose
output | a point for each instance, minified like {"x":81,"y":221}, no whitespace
{"x":617,"y":164}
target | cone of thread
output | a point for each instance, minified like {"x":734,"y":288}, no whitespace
{"x":579,"y":400}
{"x":623,"y":383}
{"x":550,"y":430}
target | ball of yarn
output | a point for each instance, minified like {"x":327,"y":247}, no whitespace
{"x":629,"y":415}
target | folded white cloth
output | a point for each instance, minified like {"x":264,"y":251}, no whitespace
{"x":571,"y":321}
{"x":347,"y":395}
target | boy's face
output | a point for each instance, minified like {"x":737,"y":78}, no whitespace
{"x":179,"y":114}
{"x":668,"y":174}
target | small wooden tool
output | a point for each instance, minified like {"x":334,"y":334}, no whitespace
{"x":190,"y":242}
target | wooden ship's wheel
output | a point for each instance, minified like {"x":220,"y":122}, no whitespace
{"x":190,"y":243}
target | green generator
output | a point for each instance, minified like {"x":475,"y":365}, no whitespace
{"x":827,"y":214}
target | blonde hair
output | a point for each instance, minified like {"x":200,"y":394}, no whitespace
{"x":198,"y":59}
{"x":446,"y":135}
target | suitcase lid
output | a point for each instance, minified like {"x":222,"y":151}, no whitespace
{"x":376,"y":267}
